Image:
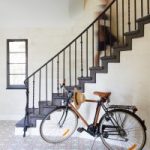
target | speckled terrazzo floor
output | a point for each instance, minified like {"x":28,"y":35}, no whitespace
{"x":8,"y":141}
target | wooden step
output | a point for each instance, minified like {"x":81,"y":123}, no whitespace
{"x":31,"y":123}
{"x":85,"y":79}
{"x":143,"y":19}
{"x":97,"y":68}
{"x":132,"y":33}
{"x":109,"y":57}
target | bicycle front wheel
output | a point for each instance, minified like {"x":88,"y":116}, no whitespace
{"x":58,"y":125}
{"x":122,"y":130}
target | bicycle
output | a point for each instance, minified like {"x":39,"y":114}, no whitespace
{"x":119,"y":128}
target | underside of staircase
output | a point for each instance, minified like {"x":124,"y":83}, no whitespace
{"x":45,"y":106}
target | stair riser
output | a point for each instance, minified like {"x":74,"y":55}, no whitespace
{"x":45,"y":111}
{"x":31,"y":123}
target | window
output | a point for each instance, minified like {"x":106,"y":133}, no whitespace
{"x":17,"y":58}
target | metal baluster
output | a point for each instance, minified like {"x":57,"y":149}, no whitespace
{"x":148,"y":7}
{"x":75,"y":62}
{"x":52,"y":79}
{"x":93,"y":39}
{"x":26,"y":120}
{"x":129,"y":22}
{"x":81,"y":56}
{"x":99,"y":30}
{"x":110,"y":32}
{"x":39,"y":89}
{"x":33,"y":94}
{"x":105,"y":35}
{"x":135,"y":15}
{"x":123,"y":22}
{"x":87,"y":65}
{"x":58,"y":74}
{"x":117,"y":16}
{"x":141,"y":8}
{"x":64,"y":69}
{"x":98,"y":39}
{"x":46,"y":94}
{"x":70,"y":65}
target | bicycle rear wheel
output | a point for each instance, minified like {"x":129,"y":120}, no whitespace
{"x":122,"y":130}
{"x":58,"y":125}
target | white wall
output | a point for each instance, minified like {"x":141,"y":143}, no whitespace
{"x":82,"y":20}
{"x":34,"y":13}
{"x":39,"y":13}
{"x":46,"y":24}
{"x":42,"y":45}
{"x":129,"y":80}
{"x":75,"y":8}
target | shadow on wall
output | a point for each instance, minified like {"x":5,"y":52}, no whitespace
{"x":76,"y":7}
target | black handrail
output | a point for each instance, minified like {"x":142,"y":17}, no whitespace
{"x":72,"y":41}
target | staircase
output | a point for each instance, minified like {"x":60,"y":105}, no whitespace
{"x":75,"y":62}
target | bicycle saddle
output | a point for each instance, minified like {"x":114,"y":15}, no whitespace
{"x":103,"y":95}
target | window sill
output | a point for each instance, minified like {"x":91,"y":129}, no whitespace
{"x":19,"y":87}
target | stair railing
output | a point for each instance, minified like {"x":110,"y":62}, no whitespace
{"x":75,"y":59}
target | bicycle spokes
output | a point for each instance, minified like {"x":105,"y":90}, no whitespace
{"x":122,"y":130}
{"x":60,"y":127}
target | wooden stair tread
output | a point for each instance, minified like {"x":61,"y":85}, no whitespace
{"x":108,"y":57}
{"x":143,"y":18}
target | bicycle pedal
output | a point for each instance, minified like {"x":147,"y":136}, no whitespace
{"x":80,"y":130}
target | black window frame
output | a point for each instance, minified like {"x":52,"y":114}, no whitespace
{"x":9,"y":86}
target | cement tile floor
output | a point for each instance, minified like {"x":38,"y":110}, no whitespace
{"x":8,"y":141}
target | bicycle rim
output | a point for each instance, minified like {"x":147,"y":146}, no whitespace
{"x":57,"y":126}
{"x":124,"y":131}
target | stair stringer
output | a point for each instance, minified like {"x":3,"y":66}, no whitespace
{"x":106,"y":60}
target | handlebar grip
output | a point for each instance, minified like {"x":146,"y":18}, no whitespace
{"x":63,"y":84}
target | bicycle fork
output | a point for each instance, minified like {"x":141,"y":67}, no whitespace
{"x":63,"y":118}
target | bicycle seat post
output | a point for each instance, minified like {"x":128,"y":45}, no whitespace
{"x":97,"y":113}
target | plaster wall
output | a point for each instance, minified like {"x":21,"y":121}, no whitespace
{"x":46,"y":25}
{"x":42,"y":45}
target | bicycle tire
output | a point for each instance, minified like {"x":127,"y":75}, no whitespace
{"x":134,"y":127}
{"x":52,"y":128}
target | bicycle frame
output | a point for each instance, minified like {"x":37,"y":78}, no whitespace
{"x":92,"y":128}
{"x":111,"y":126}
{"x":99,"y":104}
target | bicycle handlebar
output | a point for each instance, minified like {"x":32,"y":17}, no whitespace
{"x":68,"y":93}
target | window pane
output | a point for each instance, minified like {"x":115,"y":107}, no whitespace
{"x":17,"y":68}
{"x":17,"y":58}
{"x":17,"y":62}
{"x":17,"y":46}
{"x":17,"y":79}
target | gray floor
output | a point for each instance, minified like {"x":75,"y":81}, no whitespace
{"x":8,"y":141}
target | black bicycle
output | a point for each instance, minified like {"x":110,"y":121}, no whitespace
{"x":119,"y":128}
